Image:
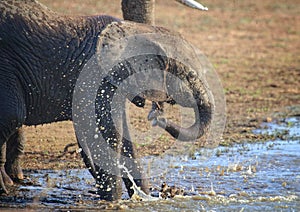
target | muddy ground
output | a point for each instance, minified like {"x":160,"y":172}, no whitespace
{"x":253,"y":45}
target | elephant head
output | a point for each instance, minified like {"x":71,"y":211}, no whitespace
{"x":142,"y":11}
{"x":158,"y":72}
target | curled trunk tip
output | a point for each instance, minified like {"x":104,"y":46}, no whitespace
{"x":203,"y":117}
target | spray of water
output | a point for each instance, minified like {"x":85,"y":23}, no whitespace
{"x":138,"y":195}
{"x":100,"y":94}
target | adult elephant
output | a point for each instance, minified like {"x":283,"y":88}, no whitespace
{"x":42,"y":55}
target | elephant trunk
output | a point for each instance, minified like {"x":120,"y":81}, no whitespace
{"x":198,"y":129}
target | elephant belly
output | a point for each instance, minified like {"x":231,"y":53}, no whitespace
{"x":48,"y":111}
{"x":37,"y":119}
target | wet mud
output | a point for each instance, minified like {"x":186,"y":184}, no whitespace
{"x":250,"y":176}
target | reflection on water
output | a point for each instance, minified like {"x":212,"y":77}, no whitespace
{"x":259,"y":177}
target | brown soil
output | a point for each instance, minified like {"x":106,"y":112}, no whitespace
{"x":253,"y":45}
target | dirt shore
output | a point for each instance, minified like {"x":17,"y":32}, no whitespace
{"x":253,"y":45}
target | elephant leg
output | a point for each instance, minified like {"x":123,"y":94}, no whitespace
{"x":129,"y":154}
{"x":4,"y":178}
{"x":14,"y":153}
{"x":12,"y":116}
{"x":103,"y":153}
{"x":109,"y":186}
{"x":108,"y":177}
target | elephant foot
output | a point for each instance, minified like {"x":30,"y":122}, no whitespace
{"x":4,"y":180}
{"x":109,"y":187}
{"x":14,"y":170}
{"x":3,"y":189}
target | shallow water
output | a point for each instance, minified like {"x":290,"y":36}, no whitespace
{"x":262,"y":176}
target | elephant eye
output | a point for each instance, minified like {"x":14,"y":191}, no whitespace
{"x":192,"y":75}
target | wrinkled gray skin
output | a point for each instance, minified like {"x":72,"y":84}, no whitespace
{"x":42,"y":55}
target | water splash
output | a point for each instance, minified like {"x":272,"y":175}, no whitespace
{"x":138,"y":195}
{"x":273,"y":185}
